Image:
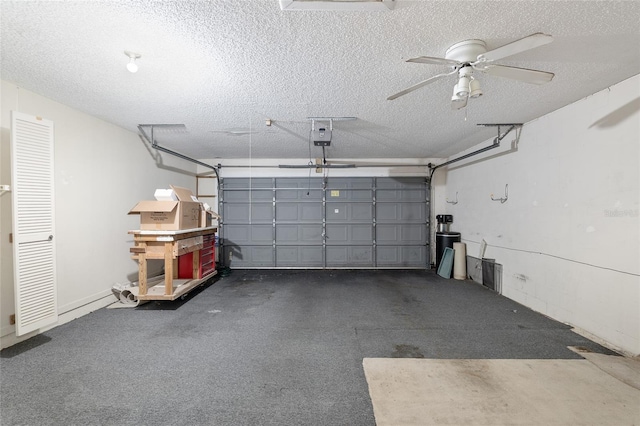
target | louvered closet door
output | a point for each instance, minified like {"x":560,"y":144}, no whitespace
{"x":33,"y":222}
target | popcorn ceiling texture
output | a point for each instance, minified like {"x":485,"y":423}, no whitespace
{"x":228,"y":64}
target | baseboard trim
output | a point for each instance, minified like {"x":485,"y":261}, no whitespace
{"x":68,"y":313}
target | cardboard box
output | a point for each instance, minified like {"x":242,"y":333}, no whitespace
{"x":169,"y":215}
{"x":207,"y":216}
{"x":165,"y":195}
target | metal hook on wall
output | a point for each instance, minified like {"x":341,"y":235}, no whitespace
{"x":453,"y":202}
{"x":506,"y":195}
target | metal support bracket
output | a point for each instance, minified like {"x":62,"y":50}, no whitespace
{"x":453,"y":202}
{"x":506,"y":195}
{"x":512,"y":126}
{"x":154,"y":144}
{"x":495,"y":144}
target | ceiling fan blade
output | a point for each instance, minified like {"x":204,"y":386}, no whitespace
{"x":421,"y":84}
{"x":434,"y":61}
{"x":521,"y":74}
{"x":459,"y":104}
{"x":529,"y":42}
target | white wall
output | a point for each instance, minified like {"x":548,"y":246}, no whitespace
{"x":568,"y":237}
{"x":101,"y":171}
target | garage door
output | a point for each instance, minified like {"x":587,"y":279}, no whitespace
{"x":324,"y":222}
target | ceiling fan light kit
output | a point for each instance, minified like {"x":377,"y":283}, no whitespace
{"x":474,"y":89}
{"x":468,"y":56}
{"x":462,"y":88}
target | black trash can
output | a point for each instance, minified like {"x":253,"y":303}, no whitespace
{"x":445,"y":239}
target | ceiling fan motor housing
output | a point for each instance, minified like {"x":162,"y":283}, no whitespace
{"x":466,"y":51}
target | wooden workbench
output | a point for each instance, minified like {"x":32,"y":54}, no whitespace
{"x":169,"y":245}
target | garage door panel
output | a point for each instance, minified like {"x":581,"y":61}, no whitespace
{"x":349,"y":234}
{"x":242,"y":234}
{"x":403,"y":212}
{"x":244,"y":183}
{"x":299,"y":195}
{"x":349,"y":212}
{"x":401,"y":189}
{"x":244,"y":189}
{"x":350,"y":183}
{"x":296,"y":189}
{"x":402,"y":256}
{"x":248,"y":196}
{"x":299,"y":256}
{"x":298,"y":212}
{"x":343,"y":256}
{"x":249,"y":256}
{"x":247,"y":212}
{"x":337,"y":234}
{"x":336,"y":194}
{"x":400,"y":195}
{"x":398,"y":234}
{"x":299,"y":234}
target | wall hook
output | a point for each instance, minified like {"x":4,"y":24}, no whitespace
{"x":506,"y":195}
{"x":453,"y":202}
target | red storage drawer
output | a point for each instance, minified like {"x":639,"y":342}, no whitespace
{"x":207,"y":260}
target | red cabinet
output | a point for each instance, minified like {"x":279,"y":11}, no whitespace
{"x":187,"y":268}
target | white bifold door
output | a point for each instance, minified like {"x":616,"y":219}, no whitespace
{"x":33,"y":222}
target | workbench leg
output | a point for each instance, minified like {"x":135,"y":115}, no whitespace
{"x":142,"y":274}
{"x":168,"y":269}
{"x":196,"y":265}
{"x":175,"y":268}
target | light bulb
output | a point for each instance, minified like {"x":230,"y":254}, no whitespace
{"x":132,"y":66}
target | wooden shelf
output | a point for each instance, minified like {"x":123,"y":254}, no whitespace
{"x":180,"y":287}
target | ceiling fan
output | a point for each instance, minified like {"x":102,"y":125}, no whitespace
{"x":469,"y":56}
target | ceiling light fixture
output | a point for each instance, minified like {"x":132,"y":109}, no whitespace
{"x":462,"y":88}
{"x":132,"y":66}
{"x":474,"y":89}
{"x":456,"y":96}
{"x":466,"y":88}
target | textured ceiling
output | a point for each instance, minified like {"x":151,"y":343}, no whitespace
{"x":229,"y":65}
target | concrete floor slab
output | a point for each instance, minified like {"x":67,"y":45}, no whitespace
{"x":498,"y":392}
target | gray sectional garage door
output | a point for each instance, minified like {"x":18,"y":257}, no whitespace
{"x":324,"y":222}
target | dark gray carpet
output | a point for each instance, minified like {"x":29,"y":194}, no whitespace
{"x":263,"y":348}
